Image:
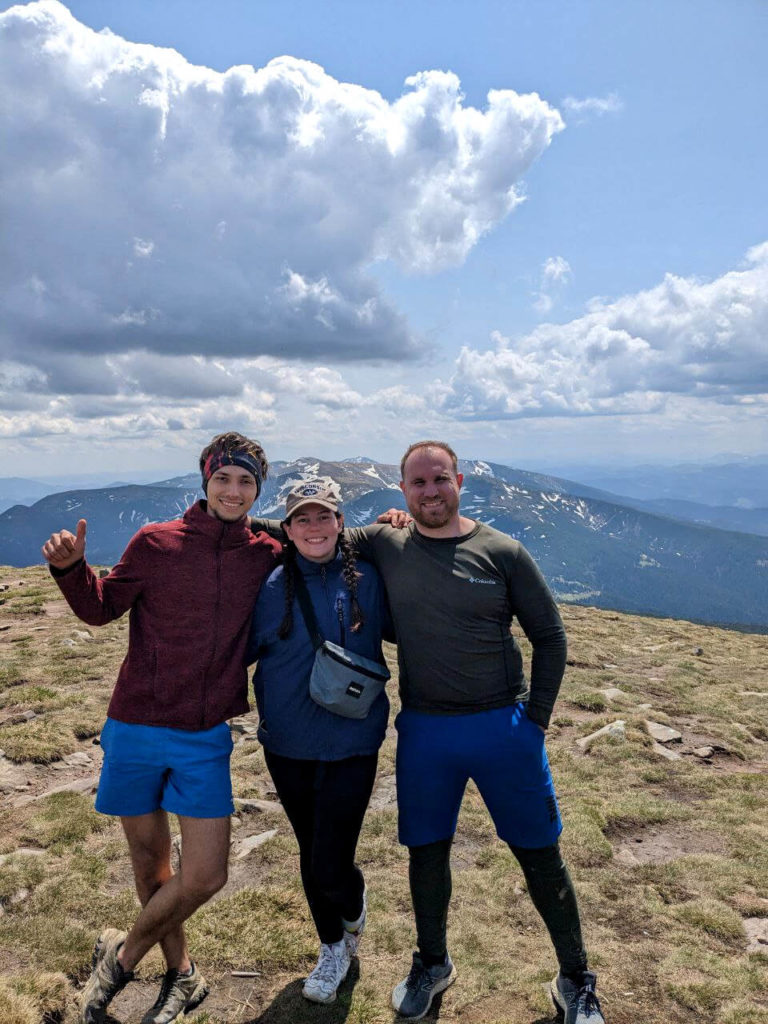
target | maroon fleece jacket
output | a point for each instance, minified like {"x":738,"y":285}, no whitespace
{"x":190,"y":585}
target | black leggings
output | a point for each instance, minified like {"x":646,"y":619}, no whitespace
{"x":549,"y":885}
{"x":325,"y":802}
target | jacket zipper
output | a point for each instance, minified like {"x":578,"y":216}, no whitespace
{"x":340,"y":616}
{"x":216,"y":610}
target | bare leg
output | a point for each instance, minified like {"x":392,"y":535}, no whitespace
{"x":205,"y":845}
{"x":149,"y":842}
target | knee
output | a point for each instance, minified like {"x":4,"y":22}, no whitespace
{"x":151,"y":872}
{"x":201,"y":887}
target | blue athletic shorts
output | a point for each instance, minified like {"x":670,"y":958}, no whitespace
{"x":147,"y":767}
{"x":501,"y":750}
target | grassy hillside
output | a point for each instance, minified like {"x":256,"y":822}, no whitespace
{"x":668,"y":843}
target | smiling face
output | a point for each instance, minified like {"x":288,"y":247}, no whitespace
{"x":231,"y":491}
{"x":431,"y":488}
{"x":314,"y":530}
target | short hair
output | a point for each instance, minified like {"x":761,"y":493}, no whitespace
{"x":429,"y":444}
{"x":231,"y":442}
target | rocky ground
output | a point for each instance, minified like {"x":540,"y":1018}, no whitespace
{"x":659,"y":747}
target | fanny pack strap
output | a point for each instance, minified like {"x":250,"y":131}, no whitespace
{"x":307,"y":611}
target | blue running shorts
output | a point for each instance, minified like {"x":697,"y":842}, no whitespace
{"x":501,"y":750}
{"x":147,"y":767}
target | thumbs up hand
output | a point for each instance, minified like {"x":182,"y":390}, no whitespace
{"x":64,"y":549}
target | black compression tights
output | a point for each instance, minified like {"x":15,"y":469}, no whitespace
{"x":549,"y":885}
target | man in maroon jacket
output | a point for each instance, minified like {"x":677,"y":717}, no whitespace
{"x":189,"y":586}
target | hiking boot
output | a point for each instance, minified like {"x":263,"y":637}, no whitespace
{"x":576,"y":1003}
{"x":413,"y":997}
{"x":107,"y":977}
{"x":353,"y":930}
{"x":179,"y":993}
{"x":332,"y":968}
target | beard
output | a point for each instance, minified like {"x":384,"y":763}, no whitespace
{"x":434,"y":518}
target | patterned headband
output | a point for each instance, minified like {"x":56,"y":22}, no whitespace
{"x":238,"y":457}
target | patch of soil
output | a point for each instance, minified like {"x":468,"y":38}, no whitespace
{"x":656,"y":845}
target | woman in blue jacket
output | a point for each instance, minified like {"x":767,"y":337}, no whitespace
{"x":323,"y":765}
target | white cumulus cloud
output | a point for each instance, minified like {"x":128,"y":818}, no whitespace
{"x":153,"y":206}
{"x":685,"y":337}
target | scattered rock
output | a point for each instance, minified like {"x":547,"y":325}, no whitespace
{"x":757,"y":934}
{"x":17,"y":717}
{"x":753,"y":693}
{"x":608,"y":665}
{"x":662,"y":733}
{"x":4,"y":629}
{"x":242,"y":726}
{"x":616,"y":729}
{"x":671,"y":755}
{"x":78,"y":758}
{"x":698,"y":651}
{"x":265,"y":806}
{"x":704,"y":752}
{"x":3,"y":587}
{"x":251,"y":843}
{"x":613,"y":693}
{"x":88,"y":785}
{"x":384,"y":793}
{"x":82,"y":634}
{"x":103,"y":573}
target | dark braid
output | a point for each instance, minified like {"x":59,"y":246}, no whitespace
{"x":351,"y":576}
{"x":289,"y":570}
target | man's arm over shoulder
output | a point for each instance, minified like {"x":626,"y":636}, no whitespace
{"x":98,"y":601}
{"x":534,"y":607}
{"x":370,"y":541}
{"x":272,"y":527}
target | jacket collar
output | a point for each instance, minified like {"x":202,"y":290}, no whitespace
{"x":197,"y":517}
{"x":309,"y":568}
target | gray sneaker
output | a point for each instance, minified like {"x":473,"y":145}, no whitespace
{"x":576,"y":1004}
{"x":107,"y":977}
{"x":353,"y":930}
{"x":413,"y":997}
{"x":179,"y":993}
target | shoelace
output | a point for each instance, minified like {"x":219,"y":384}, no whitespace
{"x":169,"y":980}
{"x":419,"y":977}
{"x":327,"y":967}
{"x":591,"y":1002}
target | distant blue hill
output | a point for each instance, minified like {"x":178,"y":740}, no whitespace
{"x":592,"y":548}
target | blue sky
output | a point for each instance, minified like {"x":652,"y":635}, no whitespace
{"x":338,"y":262}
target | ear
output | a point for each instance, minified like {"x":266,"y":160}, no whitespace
{"x":460,"y":479}
{"x":340,"y":521}
{"x":286,"y":529}
{"x":402,"y":486}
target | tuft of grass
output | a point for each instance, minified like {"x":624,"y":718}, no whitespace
{"x":250,"y":914}
{"x":63,"y":819}
{"x":589,"y":700}
{"x":39,"y":741}
{"x":713,"y":918}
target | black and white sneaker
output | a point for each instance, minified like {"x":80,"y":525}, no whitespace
{"x":576,"y":1003}
{"x":179,"y":993}
{"x":413,"y":997}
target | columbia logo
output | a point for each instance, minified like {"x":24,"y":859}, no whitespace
{"x":474,"y":579}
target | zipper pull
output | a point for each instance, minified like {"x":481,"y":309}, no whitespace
{"x":340,"y":616}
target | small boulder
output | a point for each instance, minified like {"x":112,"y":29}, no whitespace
{"x":250,"y":843}
{"x":662,"y":733}
{"x":615,"y":729}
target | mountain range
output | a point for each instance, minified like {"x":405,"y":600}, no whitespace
{"x":593,"y":547}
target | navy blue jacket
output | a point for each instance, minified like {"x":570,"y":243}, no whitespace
{"x":290,"y":723}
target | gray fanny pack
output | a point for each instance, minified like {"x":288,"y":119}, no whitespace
{"x":341,"y":681}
